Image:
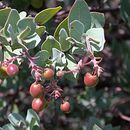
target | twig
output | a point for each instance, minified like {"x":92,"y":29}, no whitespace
{"x":124,"y":117}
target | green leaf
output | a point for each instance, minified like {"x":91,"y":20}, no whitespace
{"x":17,"y":120}
{"x":3,"y":16}
{"x":12,"y":20}
{"x":28,"y":21}
{"x":58,"y":57}
{"x":35,"y":128}
{"x":12,"y":34}
{"x":3,"y":40}
{"x":76,"y":30}
{"x":25,"y":33}
{"x":50,"y":43}
{"x":71,"y":63}
{"x":98,"y":20}
{"x":6,"y":55}
{"x":40,"y":30}
{"x":65,"y":45}
{"x":45,"y":15}
{"x":78,"y":50}
{"x":30,"y":42}
{"x":80,"y":11}
{"x":32,"y":118}
{"x":8,"y":127}
{"x":42,"y":57}
{"x":95,"y":127}
{"x":97,"y":38}
{"x":63,"y":24}
{"x":56,"y":54}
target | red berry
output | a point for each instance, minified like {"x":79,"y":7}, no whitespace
{"x":37,"y":104}
{"x":48,"y":73}
{"x":60,"y":73}
{"x":65,"y":106}
{"x":90,"y":80}
{"x":12,"y":70}
{"x":36,"y":90}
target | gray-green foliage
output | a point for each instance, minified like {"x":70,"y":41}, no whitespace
{"x":17,"y":122}
{"x":20,"y":32}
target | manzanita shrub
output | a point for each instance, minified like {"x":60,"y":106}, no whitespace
{"x":69,"y":51}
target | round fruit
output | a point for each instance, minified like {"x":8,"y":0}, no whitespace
{"x":60,"y":73}
{"x":65,"y":106}
{"x":37,"y":104}
{"x":3,"y":72}
{"x":36,"y":90}
{"x":12,"y":70}
{"x":48,"y":73}
{"x":90,"y":80}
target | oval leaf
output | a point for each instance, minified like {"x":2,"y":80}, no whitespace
{"x":22,"y":25}
{"x":32,"y":115}
{"x":50,"y":43}
{"x":76,"y":30}
{"x":80,"y":11}
{"x":58,"y":57}
{"x":98,"y":20}
{"x":42,"y":57}
{"x":17,"y":120}
{"x":8,"y":127}
{"x":45,"y":15}
{"x":65,"y":45}
{"x":3,"y":40}
{"x":97,"y":38}
{"x":63,"y":24}
{"x":40,"y":30}
{"x":3,"y":16}
{"x":12,"y":20}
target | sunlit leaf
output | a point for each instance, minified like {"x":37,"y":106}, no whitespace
{"x":45,"y":15}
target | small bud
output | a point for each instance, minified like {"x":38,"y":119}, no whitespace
{"x":60,"y":73}
{"x":57,"y":94}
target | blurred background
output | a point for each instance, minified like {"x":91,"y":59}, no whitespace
{"x":109,"y":102}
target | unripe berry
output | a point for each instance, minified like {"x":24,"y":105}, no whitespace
{"x":48,"y":73}
{"x":36,"y":90}
{"x":90,"y":80}
{"x":12,"y":70}
{"x":60,"y":73}
{"x":37,"y":104}
{"x":3,"y":72}
{"x":65,"y":106}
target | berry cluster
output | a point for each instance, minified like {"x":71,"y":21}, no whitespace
{"x":51,"y":90}
{"x":38,"y":92}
